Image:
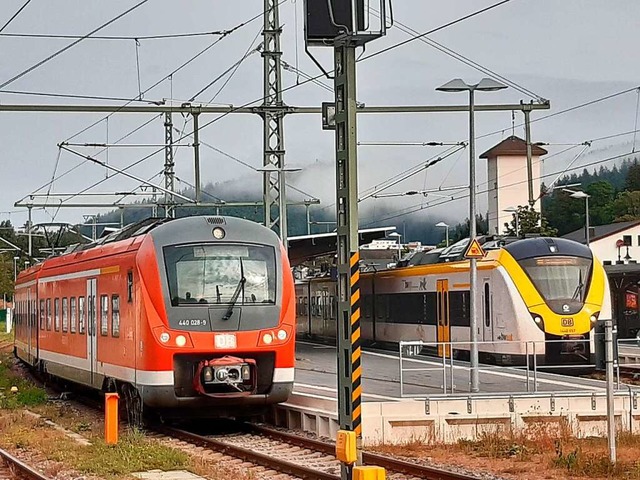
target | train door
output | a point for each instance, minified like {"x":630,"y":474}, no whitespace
{"x":487,"y":312}
{"x":443,"y":327}
{"x":28,"y":327}
{"x":92,"y":338}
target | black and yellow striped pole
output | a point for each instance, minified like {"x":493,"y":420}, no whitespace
{"x":348,"y":335}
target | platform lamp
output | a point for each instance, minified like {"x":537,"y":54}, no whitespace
{"x":586,"y":211}
{"x":15,"y":268}
{"x":515,"y":212}
{"x":446,"y":227}
{"x":485,"y":85}
{"x":397,"y":236}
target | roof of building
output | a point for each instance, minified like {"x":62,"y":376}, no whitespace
{"x":601,"y":231}
{"x":306,"y":247}
{"x":512,"y":146}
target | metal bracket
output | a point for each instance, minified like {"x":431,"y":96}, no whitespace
{"x":635,"y":400}
{"x":552,"y":402}
{"x":512,"y":406}
{"x":469,"y":405}
{"x":427,"y":407}
{"x":593,"y":401}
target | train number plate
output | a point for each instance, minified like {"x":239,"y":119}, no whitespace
{"x":567,"y":322}
{"x":225,"y":340}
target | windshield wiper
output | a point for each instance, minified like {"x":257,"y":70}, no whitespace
{"x":234,"y":298}
{"x":577,"y":295}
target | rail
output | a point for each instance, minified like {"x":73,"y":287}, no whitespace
{"x":19,"y":468}
{"x":323,"y":466}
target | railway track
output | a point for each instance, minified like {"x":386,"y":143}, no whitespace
{"x":301,"y":457}
{"x":11,"y":468}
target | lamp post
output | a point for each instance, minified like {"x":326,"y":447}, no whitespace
{"x":397,"y":236}
{"x":514,"y":210}
{"x":444,"y":225}
{"x":267,"y":170}
{"x":15,"y":268}
{"x":586,"y":211}
{"x":485,"y":85}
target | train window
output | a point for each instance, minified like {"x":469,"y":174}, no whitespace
{"x":48,"y":313}
{"x":74,"y":316}
{"x":81,"y":315}
{"x":130,"y":286}
{"x":459,"y":313}
{"x":65,"y":315}
{"x":487,"y":305}
{"x":56,"y":312}
{"x":211,"y":274}
{"x":115,"y":315}
{"x":104,"y":314}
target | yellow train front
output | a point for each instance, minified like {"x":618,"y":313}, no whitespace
{"x":537,"y":296}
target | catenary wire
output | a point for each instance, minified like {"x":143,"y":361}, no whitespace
{"x":114,"y":37}
{"x":453,"y":22}
{"x":458,"y":56}
{"x":71,"y":45}
{"x":13,"y":17}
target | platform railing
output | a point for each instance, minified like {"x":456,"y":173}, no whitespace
{"x":441,"y":357}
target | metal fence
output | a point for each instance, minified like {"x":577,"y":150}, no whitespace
{"x":428,"y":368}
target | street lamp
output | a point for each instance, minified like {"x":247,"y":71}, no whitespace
{"x":485,"y":85}
{"x":15,"y":268}
{"x":514,"y":210}
{"x":397,"y":236}
{"x":444,"y":225}
{"x":282,"y":198}
{"x":586,"y":210}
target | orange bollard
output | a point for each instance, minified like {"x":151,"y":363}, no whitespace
{"x":111,"y":418}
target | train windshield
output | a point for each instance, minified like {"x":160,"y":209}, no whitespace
{"x":559,"y":278}
{"x":215,"y":274}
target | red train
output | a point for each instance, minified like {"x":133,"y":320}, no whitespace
{"x":189,"y":316}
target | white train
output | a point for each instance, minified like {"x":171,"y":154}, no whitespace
{"x":530,"y":290}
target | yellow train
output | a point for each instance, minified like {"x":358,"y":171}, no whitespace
{"x":549,"y":291}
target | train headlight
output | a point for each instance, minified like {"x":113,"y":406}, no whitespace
{"x":164,"y":337}
{"x":207,"y":374}
{"x":267,"y":338}
{"x":282,"y":335}
{"x":181,"y":340}
{"x":218,"y":233}
{"x":222,"y":374}
{"x":594,"y":318}
{"x":538,"y":320}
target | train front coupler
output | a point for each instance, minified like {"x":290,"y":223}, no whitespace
{"x":226,"y":377}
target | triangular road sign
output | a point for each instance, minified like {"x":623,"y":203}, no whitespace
{"x":474,"y":250}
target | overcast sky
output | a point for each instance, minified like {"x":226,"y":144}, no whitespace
{"x":568,"y":51}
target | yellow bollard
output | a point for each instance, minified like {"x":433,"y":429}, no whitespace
{"x":111,"y":418}
{"x":369,"y":473}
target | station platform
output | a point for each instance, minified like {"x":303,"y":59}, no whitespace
{"x":422,"y":377}
{"x":425,"y":411}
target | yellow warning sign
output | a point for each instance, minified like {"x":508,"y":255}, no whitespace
{"x":474,"y":250}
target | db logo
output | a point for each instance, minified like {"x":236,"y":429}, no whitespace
{"x":567,"y":322}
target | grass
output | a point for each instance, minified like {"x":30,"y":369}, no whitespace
{"x":549,"y":449}
{"x":25,"y":393}
{"x":134,"y":452}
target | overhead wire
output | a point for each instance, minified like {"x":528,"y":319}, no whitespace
{"x":458,"y":56}
{"x":227,"y":32}
{"x":114,"y":37}
{"x":218,"y":118}
{"x":71,"y":45}
{"x":14,"y":16}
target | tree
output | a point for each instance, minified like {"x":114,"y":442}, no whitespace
{"x":627,"y":206}
{"x":530,"y":221}
{"x":601,"y":203}
{"x":632,"y":180}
